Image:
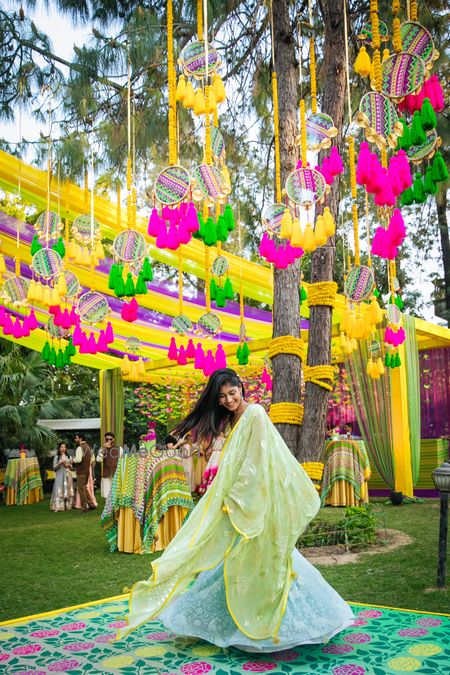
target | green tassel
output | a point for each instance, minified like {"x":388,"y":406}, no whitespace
{"x":199,"y":234}
{"x":222,"y":230}
{"x":120,"y":286}
{"x":229,"y":218}
{"x":210,"y":237}
{"x":221,"y":300}
{"x":35,"y":245}
{"x":417,"y":134}
{"x":61,"y":248}
{"x":377,"y":293}
{"x":245,"y":353}
{"x":407,"y":197}
{"x":430,"y":186}
{"x":66,"y":356}
{"x":392,"y":361}
{"x":303,"y":294}
{"x":141,"y":288}
{"x":399,"y":302}
{"x":60,"y":359}
{"x":130,"y":290}
{"x":147,"y":270}
{"x":113,"y":274}
{"x":440,"y":171}
{"x":213,"y":289}
{"x":245,"y":349}
{"x":418,"y":190}
{"x":52,"y":357}
{"x":228,"y":288}
{"x":71,"y":347}
{"x":239,"y":354}
{"x":45,"y":354}
{"x":397,"y":360}
{"x":387,"y":360}
{"x":404,"y":141}
{"x":427,"y":115}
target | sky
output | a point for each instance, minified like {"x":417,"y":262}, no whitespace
{"x":63,"y":36}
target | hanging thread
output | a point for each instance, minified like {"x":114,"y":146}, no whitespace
{"x":171,"y":78}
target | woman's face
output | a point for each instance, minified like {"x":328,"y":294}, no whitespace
{"x":62,"y":448}
{"x":230,"y":396}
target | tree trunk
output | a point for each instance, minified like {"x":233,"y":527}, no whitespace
{"x":441,"y":205}
{"x":320,"y":320}
{"x":286,"y":302}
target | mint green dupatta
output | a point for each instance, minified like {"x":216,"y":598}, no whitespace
{"x":251,"y":517}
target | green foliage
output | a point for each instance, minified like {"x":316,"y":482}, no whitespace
{"x":356,"y":528}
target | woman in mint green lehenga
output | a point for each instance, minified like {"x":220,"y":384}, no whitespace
{"x":232,"y":575}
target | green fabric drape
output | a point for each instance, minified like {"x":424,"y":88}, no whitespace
{"x":413,"y":385}
{"x":112,"y":403}
{"x":372,"y":402}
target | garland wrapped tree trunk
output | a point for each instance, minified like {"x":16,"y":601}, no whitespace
{"x":441,"y":205}
{"x":320,"y":321}
{"x":286,"y":304}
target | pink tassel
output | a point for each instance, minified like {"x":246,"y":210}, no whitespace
{"x":172,"y":242}
{"x":396,"y":229}
{"x":199,"y":357}
{"x":208,"y":367}
{"x":154,"y":224}
{"x":173,"y":352}
{"x":65,"y":319}
{"x":74,"y":318}
{"x":109,"y":333}
{"x":133,"y":305}
{"x":3,"y":315}
{"x":84,"y":344}
{"x":54,"y":309}
{"x":435,"y":93}
{"x":17,"y":329}
{"x":298,"y":251}
{"x":57,"y":317}
{"x":263,"y":245}
{"x":190,"y":350}
{"x":326,"y":172}
{"x":26,"y":327}
{"x":32,"y":321}
{"x":191,"y":218}
{"x":8,"y":325}
{"x":335,"y":162}
{"x":404,"y":169}
{"x":102,"y":345}
{"x":77,"y":336}
{"x":92,"y":344}
{"x":184,"y":236}
{"x":220,"y":358}
{"x":363,"y":165}
{"x":161,"y":239}
{"x":181,"y":360}
{"x":281,"y":260}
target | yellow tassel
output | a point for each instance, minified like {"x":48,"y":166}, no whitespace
{"x":380,"y":366}
{"x":189,"y":97}
{"x":344,"y":320}
{"x":54,"y":297}
{"x":2,"y":264}
{"x":212,"y":101}
{"x":330,"y":225}
{"x":319,"y":232}
{"x":219,"y":89}
{"x":181,"y":89}
{"x":360,"y":328}
{"x":61,"y":285}
{"x":226,"y":175}
{"x":343,"y":340}
{"x":309,"y":242}
{"x":295,"y":236}
{"x":140,"y":367}
{"x":363,"y":64}
{"x":99,"y":250}
{"x":351,"y":325}
{"x":125,"y":366}
{"x":385,"y":55}
{"x":38,"y":293}
{"x":31,"y":295}
{"x":286,"y":225}
{"x":369,"y":368}
{"x":375,"y":313}
{"x":199,"y":102}
{"x":71,"y":249}
{"x":348,"y":346}
{"x":46,"y":296}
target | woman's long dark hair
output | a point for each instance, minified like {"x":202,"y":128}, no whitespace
{"x":207,"y":418}
{"x":58,"y":451}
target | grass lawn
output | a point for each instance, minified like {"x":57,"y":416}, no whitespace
{"x":54,"y":560}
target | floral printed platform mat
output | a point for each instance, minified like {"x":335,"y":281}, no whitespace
{"x":78,"y":641}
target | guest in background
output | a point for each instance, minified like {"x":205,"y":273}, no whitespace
{"x":84,"y":457}
{"x":348,"y":431}
{"x":109,"y":455}
{"x":185,"y":452}
{"x":63,"y":492}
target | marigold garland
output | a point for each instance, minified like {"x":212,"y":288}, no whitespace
{"x":286,"y":344}
{"x":286,"y":413}
{"x":315,"y":472}
{"x":317,"y":374}
{"x":322,"y":293}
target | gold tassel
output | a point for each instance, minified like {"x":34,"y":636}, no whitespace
{"x":320,"y":235}
{"x":296,"y":234}
{"x":199,"y":102}
{"x":363,"y":64}
{"x":286,"y":225}
{"x":181,"y":89}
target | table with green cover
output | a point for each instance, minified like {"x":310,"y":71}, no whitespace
{"x":346,"y":472}
{"x":23,"y":482}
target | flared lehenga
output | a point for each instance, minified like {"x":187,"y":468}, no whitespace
{"x":232,"y":575}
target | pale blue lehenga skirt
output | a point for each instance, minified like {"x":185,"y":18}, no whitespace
{"x":314,"y":612}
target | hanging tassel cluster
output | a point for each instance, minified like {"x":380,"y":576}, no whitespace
{"x":220,"y":294}
{"x":43,"y":294}
{"x":133,"y":368}
{"x":173,"y":226}
{"x":59,"y":247}
{"x":392,"y":360}
{"x":359,"y":323}
{"x":89,"y":345}
{"x":61,"y":358}
{"x":127,"y":287}
{"x":386,"y":242}
{"x":129,"y":310}
{"x":243,"y":353}
{"x":64,"y":319}
{"x":422,"y":187}
{"x":281,"y":256}
{"x":17,"y":328}
{"x":386,"y":184}
{"x":83,"y":255}
{"x":394,"y":336}
{"x":266,"y":379}
{"x":331,"y":166}
{"x":431,"y":90}
{"x":195,"y":99}
{"x":375,"y":368}
{"x":207,"y":363}
{"x":211,"y":232}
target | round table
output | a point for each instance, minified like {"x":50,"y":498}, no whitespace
{"x":23,"y":482}
{"x":346,"y":472}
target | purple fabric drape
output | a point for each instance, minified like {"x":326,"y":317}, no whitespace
{"x":435,"y":392}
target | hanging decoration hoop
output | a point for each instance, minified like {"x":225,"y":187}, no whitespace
{"x":172,"y":185}
{"x":208,"y":325}
{"x":218,"y":146}
{"x":81,"y":229}
{"x":271,"y":217}
{"x":320,"y":130}
{"x":48,"y":225}
{"x":15,"y":291}
{"x":416,"y":39}
{"x":92,"y":307}
{"x":305,"y":187}
{"x":417,"y":153}
{"x":199,"y":59}
{"x":129,"y":246}
{"x":366,"y":32}
{"x":374,"y":349}
{"x":181,"y":324}
{"x":210,"y":183}
{"x":56,"y":331}
{"x":402,"y":74}
{"x":393,"y":314}
{"x":359,"y":283}
{"x":132,"y":345}
{"x":220,"y":266}
{"x":379,"y":119}
{"x":47,"y":263}
{"x":72,"y":283}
